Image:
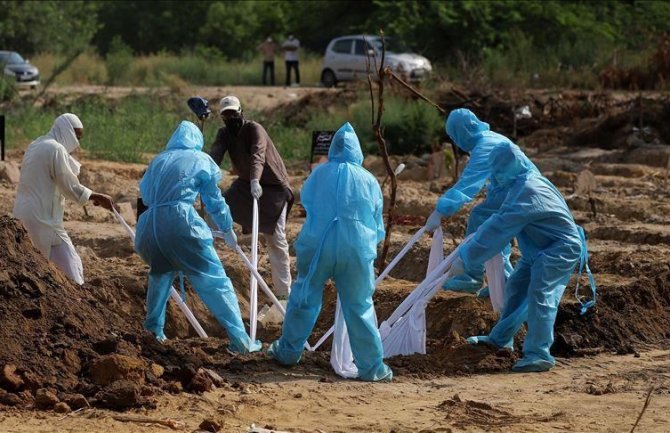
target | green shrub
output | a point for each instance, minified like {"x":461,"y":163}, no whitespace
{"x":410,"y":127}
{"x":118,"y":61}
{"x":7,"y":88}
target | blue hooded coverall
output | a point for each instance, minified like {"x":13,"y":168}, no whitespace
{"x":534,"y":212}
{"x":172,"y":237}
{"x":344,"y":224}
{"x":472,"y":135}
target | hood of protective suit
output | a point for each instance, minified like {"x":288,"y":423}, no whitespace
{"x":508,"y":162}
{"x":345,"y":146}
{"x":464,"y":128}
{"x":63,"y":131}
{"x":186,"y":136}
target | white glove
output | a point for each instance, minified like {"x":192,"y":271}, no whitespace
{"x":433,"y":221}
{"x":457,"y":267}
{"x":256,"y":189}
{"x":230,"y":239}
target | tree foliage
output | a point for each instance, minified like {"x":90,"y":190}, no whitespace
{"x":47,"y":26}
{"x":442,"y":30}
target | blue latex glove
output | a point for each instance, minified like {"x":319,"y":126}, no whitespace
{"x":433,"y":221}
{"x":256,"y":189}
{"x":230,"y":239}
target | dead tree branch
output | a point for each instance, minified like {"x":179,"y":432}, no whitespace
{"x":381,"y":142}
{"x":367,"y":67}
{"x":644,"y":408}
{"x":59,"y":69}
{"x":174,"y":425}
{"x":389,"y":73}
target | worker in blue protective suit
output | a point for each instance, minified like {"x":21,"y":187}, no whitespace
{"x":551,"y":244}
{"x":172,"y":238}
{"x":344,"y":205}
{"x":471,"y":135}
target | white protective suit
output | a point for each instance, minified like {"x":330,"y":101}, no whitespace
{"x":48,"y":175}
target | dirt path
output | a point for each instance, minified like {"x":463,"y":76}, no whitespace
{"x":601,"y":394}
{"x":257,"y":98}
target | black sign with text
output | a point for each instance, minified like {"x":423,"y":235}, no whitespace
{"x":320,"y":146}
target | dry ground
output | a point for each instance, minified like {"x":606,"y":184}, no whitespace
{"x":630,"y":246}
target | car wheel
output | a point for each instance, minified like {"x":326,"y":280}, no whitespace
{"x":328,"y":78}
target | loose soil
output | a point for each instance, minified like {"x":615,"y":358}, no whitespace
{"x":83,"y":346}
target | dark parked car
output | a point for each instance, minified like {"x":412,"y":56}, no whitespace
{"x":15,"y":66}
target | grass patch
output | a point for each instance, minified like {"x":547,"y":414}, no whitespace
{"x":131,"y":129}
{"x":117,"y":130}
{"x":122,"y":69}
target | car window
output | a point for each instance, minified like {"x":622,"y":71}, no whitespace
{"x":11,"y":58}
{"x":343,"y":46}
{"x":392,"y":45}
{"x":359,"y":47}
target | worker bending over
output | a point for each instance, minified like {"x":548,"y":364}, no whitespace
{"x":172,"y":238}
{"x":49,"y":174}
{"x":551,"y":244}
{"x":472,"y":135}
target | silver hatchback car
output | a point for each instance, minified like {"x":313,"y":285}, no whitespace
{"x":346,"y":59}
{"x":15,"y":66}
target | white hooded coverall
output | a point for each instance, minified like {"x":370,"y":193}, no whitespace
{"x":48,"y":175}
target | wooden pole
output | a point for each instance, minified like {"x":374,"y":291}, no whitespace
{"x":2,"y":137}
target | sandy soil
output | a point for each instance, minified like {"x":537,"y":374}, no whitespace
{"x":446,"y":390}
{"x":601,"y":394}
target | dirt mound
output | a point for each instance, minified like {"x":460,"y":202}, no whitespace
{"x":620,"y":130}
{"x":475,"y":413}
{"x":300,"y":110}
{"x":626,"y":318}
{"x":48,"y":325}
{"x":65,"y":343}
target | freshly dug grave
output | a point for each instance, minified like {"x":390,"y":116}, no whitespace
{"x":68,"y":344}
{"x":628,"y":317}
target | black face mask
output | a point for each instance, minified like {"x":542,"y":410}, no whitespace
{"x":234,"y":125}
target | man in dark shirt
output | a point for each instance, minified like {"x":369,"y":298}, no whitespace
{"x":261,"y":175}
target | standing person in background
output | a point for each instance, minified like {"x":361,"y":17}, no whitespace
{"x":268,"y":49}
{"x":49,"y":174}
{"x":261,"y":176}
{"x":291,"y":47}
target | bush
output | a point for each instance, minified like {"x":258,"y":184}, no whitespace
{"x":118,"y":61}
{"x":410,"y":128}
{"x":7,"y":88}
{"x":87,"y":69}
